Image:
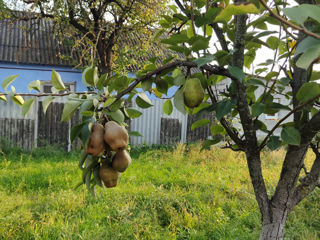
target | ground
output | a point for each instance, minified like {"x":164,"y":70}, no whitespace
{"x":167,"y":193}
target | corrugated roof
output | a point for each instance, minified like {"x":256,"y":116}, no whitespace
{"x":33,"y":42}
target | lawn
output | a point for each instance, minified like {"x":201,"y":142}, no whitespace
{"x":167,"y":193}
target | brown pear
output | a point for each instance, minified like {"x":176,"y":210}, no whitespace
{"x":121,"y":161}
{"x":109,"y":176}
{"x":116,"y":136}
{"x":96,"y":144}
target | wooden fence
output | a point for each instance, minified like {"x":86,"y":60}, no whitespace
{"x":38,"y":129}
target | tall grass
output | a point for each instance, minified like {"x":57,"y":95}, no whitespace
{"x":166,"y":193}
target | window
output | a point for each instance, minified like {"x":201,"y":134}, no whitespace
{"x":273,"y":116}
{"x":46,"y":87}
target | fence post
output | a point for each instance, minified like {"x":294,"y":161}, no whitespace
{"x":36,"y":120}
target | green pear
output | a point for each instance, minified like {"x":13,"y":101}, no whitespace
{"x":193,"y":93}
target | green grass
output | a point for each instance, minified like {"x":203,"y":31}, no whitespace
{"x":165,"y":194}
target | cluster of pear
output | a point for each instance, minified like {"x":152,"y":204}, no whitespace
{"x":193,"y":93}
{"x":111,"y":138}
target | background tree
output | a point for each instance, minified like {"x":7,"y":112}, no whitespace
{"x":241,"y":29}
{"x":99,"y":29}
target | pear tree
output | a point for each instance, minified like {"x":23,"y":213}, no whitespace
{"x":221,"y":42}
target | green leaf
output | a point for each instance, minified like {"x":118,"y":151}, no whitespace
{"x":84,"y":134}
{"x":83,"y":79}
{"x":167,"y":107}
{"x":26,"y":106}
{"x":274,"y":143}
{"x":209,"y":142}
{"x":8,"y":80}
{"x":76,"y":130}
{"x":56,"y":81}
{"x":91,"y":76}
{"x":34,"y":85}
{"x":231,"y":9}
{"x":178,"y":77}
{"x":87,"y":113}
{"x":46,"y":102}
{"x":117,"y":116}
{"x":199,"y":44}
{"x":284,"y":81}
{"x":308,"y":57}
{"x":305,"y":44}
{"x":315,"y":76}
{"x":223,"y":108}
{"x":109,"y":101}
{"x":200,"y":123}
{"x":69,"y":108}
{"x":175,"y":39}
{"x":146,"y":84}
{"x":207,"y":58}
{"x":291,"y":136}
{"x":216,"y":129}
{"x":133,"y":113}
{"x":149,"y":67}
{"x":103,"y":81}
{"x":116,"y":105}
{"x":17,"y":99}
{"x":135,"y":134}
{"x":162,"y":86}
{"x":86,"y":105}
{"x":178,"y":101}
{"x":273,"y":42}
{"x":143,"y":101}
{"x":301,"y":13}
{"x":308,"y":91}
{"x":257,"y":109}
{"x":237,"y":73}
{"x":3,"y":97}
{"x":255,"y":82}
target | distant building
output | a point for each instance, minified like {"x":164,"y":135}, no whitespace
{"x":29,"y":48}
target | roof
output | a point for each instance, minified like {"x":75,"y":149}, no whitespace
{"x":33,"y":42}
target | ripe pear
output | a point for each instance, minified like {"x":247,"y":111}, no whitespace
{"x":96,"y":144}
{"x":109,"y":176}
{"x":193,"y":93}
{"x":121,"y":161}
{"x":116,"y":136}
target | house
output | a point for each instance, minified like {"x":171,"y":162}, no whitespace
{"x":28,"y":48}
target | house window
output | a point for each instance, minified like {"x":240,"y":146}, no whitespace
{"x":273,"y":116}
{"x":46,"y":87}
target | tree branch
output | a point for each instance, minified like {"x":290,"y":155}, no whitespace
{"x":220,"y":35}
{"x":302,"y":29}
{"x":310,"y":182}
{"x":284,"y":118}
{"x":251,"y":148}
{"x":210,"y":68}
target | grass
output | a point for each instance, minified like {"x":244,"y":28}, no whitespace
{"x":166,"y":193}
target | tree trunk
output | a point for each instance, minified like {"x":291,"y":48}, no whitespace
{"x":274,"y":229}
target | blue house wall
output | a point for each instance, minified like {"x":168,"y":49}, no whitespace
{"x":31,"y":72}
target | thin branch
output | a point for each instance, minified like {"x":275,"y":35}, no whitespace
{"x":284,"y":118}
{"x":210,"y":68}
{"x":47,"y":94}
{"x":310,"y":182}
{"x":233,"y":135}
{"x":302,"y":29}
